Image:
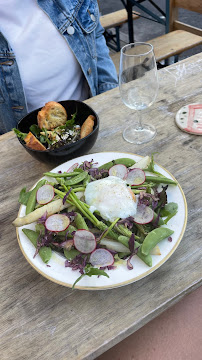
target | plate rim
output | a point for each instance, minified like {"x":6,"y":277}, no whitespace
{"x":123,"y":283}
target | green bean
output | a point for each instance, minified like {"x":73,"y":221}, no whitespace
{"x":109,"y":228}
{"x":79,"y":188}
{"x":62,"y":175}
{"x":31,"y":203}
{"x":125,"y":161}
{"x":78,"y":170}
{"x":44,"y":252}
{"x":125,"y":231}
{"x":160,"y":180}
{"x":124,"y":240}
{"x":71,"y":254}
{"x":86,"y":180}
{"x":80,"y":222}
{"x":101,"y":226}
{"x":154,"y":237}
{"x":146,"y":258}
{"x":145,"y":184}
{"x":73,"y":186}
{"x":76,"y":179}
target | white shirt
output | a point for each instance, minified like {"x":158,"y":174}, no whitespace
{"x":48,"y":68}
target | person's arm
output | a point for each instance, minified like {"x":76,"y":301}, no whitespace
{"x":107,"y":76}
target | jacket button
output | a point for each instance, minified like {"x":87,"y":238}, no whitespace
{"x":89,"y":71}
{"x":70,"y":30}
{"x":93,"y":17}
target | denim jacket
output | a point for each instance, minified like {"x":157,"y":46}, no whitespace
{"x":78,"y":22}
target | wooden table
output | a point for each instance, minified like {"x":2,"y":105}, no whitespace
{"x":43,"y":320}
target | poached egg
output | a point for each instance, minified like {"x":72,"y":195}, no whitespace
{"x":111,"y":197}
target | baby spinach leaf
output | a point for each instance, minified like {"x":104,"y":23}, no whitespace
{"x":169,"y":210}
{"x":35,"y":130}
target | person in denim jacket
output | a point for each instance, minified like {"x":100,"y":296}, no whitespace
{"x":27,"y":80}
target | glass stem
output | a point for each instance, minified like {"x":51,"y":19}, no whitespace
{"x":139,"y":125}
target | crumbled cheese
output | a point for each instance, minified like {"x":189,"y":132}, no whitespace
{"x":65,"y":136}
{"x":57,"y":138}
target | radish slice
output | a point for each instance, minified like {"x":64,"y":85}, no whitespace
{"x":101,"y":257}
{"x":144,"y":215}
{"x":45,"y":194}
{"x":72,"y":168}
{"x":84,"y":241}
{"x":135,"y":177}
{"x":57,"y":223}
{"x":118,"y":170}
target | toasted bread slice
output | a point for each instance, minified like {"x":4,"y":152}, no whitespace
{"x":51,"y":115}
{"x":87,"y":126}
{"x":33,"y":143}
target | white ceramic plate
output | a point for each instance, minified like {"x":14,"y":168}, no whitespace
{"x":56,"y":270}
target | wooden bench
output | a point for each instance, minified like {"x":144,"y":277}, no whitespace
{"x":115,"y":20}
{"x":168,"y":45}
{"x":181,"y":37}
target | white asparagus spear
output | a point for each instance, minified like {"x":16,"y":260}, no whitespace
{"x":142,"y":163}
{"x":51,"y":208}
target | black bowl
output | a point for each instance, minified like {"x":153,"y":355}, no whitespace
{"x":69,"y":151}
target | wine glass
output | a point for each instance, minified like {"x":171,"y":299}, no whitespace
{"x":138,"y":84}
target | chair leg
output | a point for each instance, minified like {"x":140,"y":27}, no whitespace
{"x":118,"y":38}
{"x":112,"y":38}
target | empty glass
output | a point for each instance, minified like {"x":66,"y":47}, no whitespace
{"x":138,"y":84}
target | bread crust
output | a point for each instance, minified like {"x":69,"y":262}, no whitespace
{"x":33,"y":143}
{"x":51,"y":115}
{"x":87,"y":126}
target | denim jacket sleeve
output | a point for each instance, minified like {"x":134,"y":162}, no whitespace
{"x":107,"y":76}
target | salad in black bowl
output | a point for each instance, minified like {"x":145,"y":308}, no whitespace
{"x":59,"y":131}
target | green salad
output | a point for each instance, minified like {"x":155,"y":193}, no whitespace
{"x":98,"y":217}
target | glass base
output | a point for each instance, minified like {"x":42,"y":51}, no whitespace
{"x":139,"y":135}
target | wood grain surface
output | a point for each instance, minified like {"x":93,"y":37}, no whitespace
{"x":43,"y":320}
